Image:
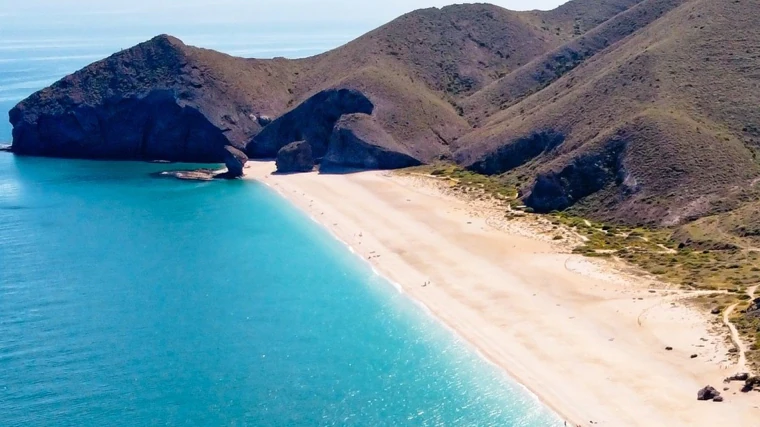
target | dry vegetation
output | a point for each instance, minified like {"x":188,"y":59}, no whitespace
{"x":714,"y":254}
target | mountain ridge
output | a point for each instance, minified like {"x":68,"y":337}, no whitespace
{"x":577,"y":106}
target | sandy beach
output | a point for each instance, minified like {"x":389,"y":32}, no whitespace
{"x":587,"y":338}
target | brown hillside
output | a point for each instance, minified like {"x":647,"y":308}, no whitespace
{"x":577,"y":17}
{"x":640,"y":111}
{"x":547,"y":68}
{"x":455,"y":50}
{"x":160,"y":99}
{"x":415,"y":117}
{"x":678,"y":98}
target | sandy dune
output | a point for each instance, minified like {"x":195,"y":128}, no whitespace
{"x":587,"y":339}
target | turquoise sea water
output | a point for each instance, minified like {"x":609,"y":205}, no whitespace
{"x":127,"y":300}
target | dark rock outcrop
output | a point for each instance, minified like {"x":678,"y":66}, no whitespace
{"x":153,"y":101}
{"x":154,"y":126}
{"x":583,"y":176}
{"x":235,"y":161}
{"x":295,"y":157}
{"x":312,"y":121}
{"x":517,"y":153}
{"x":751,"y":384}
{"x":707,"y":393}
{"x":754,"y":308}
{"x":738,"y":377}
{"x":358,"y":142}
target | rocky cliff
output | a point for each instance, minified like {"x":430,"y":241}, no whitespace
{"x":312,"y":121}
{"x":602,"y":106}
{"x":158,"y":100}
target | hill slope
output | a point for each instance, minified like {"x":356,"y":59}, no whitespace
{"x":659,"y":127}
{"x":158,"y":100}
{"x":638,"y":111}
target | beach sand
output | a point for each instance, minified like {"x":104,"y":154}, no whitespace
{"x":587,"y":338}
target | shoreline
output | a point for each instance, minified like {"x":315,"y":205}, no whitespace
{"x":582,"y":378}
{"x":417,"y":302}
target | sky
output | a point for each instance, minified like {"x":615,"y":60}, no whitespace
{"x":233,"y":11}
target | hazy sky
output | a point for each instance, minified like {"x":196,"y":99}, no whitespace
{"x":253,"y":11}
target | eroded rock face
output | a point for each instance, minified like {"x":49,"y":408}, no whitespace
{"x":312,"y":121}
{"x":582,"y":177}
{"x":148,"y":102}
{"x":295,"y":157}
{"x":235,"y":161}
{"x":151,"y":127}
{"x":358,"y":142}
{"x":517,"y":153}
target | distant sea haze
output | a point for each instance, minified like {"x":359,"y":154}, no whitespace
{"x":127,"y":300}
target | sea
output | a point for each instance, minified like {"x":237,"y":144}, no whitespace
{"x":128,"y":300}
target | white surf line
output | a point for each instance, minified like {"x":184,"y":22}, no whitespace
{"x":425,"y":308}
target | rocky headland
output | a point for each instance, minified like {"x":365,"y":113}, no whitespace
{"x":596,"y":106}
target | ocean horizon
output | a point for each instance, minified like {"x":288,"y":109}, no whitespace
{"x":131,"y":300}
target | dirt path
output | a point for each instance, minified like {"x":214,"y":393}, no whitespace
{"x":735,"y":339}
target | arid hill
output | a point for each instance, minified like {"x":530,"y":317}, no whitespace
{"x":658,"y":127}
{"x":634,"y":111}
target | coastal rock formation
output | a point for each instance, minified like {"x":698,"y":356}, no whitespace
{"x":149,"y":126}
{"x":158,"y":100}
{"x":235,"y":161}
{"x":358,"y":142}
{"x":295,"y":157}
{"x":312,"y":121}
